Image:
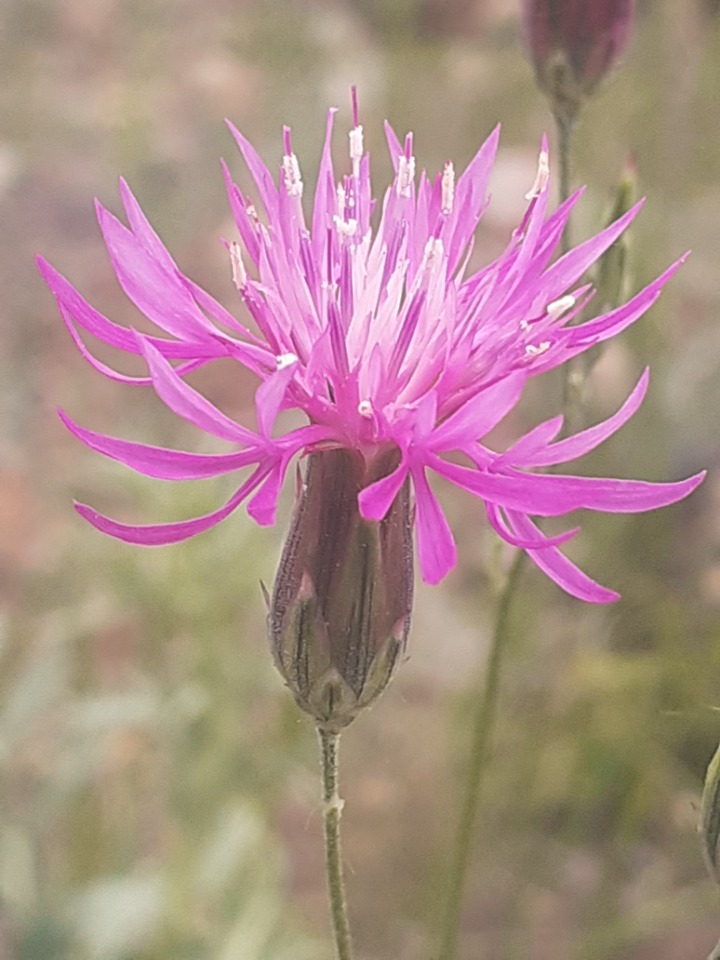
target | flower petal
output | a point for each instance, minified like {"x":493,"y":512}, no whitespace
{"x":270,"y":395}
{"x":552,"y":495}
{"x":436,"y":545}
{"x":161,"y":462}
{"x":478,"y":415}
{"x":500,"y":526}
{"x":188,"y":403}
{"x":581,"y":443}
{"x":377,"y":498}
{"x":150,"y":284}
{"x":159,"y":534}
{"x":557,"y":566}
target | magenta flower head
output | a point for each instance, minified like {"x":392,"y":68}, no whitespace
{"x":574,"y":44}
{"x":371,"y":325}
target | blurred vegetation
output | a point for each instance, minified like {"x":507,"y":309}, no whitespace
{"x":158,"y":794}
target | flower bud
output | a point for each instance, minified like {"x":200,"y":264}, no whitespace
{"x":710,"y":818}
{"x":611,"y":275}
{"x":573,"y":45}
{"x":340,"y":609}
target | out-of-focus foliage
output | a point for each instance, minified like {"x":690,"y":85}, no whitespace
{"x":158,"y":794}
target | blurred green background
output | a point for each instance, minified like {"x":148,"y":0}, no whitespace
{"x":158,"y":788}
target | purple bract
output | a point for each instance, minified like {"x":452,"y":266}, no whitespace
{"x":381,"y":338}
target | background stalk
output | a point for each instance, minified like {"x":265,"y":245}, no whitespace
{"x":482,"y":729}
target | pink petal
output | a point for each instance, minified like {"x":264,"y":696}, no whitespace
{"x":524,"y":449}
{"x":586,"y":440}
{"x":163,"y":533}
{"x":263,"y":506}
{"x":610,"y":324}
{"x":188,"y":403}
{"x":563,"y":571}
{"x":377,"y":498}
{"x":148,"y":282}
{"x":270,"y":395}
{"x":161,"y":462}
{"x":479,"y":414}
{"x":324,"y":205}
{"x":500,"y":526}
{"x":142,"y":229}
{"x":260,"y":174}
{"x":436,"y":546}
{"x":245,"y":226}
{"x":570,"y":267}
{"x":552,"y":495}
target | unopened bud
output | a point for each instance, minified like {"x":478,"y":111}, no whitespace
{"x":573,"y":45}
{"x":612,"y":271}
{"x":340,"y":609}
{"x":710,"y":818}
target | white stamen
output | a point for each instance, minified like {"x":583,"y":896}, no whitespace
{"x":534,"y":350}
{"x":239,"y":273}
{"x":365,"y":409}
{"x":558,"y":307}
{"x":524,"y":325}
{"x":340,"y":194}
{"x":541,"y":177}
{"x":448,"y":188}
{"x":285,"y":360}
{"x":291,"y":171}
{"x":253,"y":214}
{"x":433,"y":251}
{"x":356,"y":143}
{"x":346,"y":228}
{"x":405,"y":176}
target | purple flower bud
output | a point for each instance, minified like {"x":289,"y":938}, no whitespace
{"x":340,"y":610}
{"x":574,"y":44}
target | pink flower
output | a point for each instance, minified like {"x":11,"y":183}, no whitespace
{"x":383,"y":339}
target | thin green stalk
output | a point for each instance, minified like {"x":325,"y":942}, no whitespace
{"x":482,"y":729}
{"x":565,"y":128}
{"x":329,"y":744}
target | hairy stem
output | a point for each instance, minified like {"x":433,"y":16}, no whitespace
{"x":332,"y":811}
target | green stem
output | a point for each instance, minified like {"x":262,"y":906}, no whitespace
{"x":565,"y":129}
{"x":565,"y":126}
{"x":329,"y":744}
{"x":483,"y":724}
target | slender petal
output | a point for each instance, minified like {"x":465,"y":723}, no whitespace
{"x":160,"y":534}
{"x":375,"y":330}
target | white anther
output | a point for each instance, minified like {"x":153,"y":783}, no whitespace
{"x":433,"y":251}
{"x":239,"y":273}
{"x":534,"y":350}
{"x":541,"y":177}
{"x":448,"y":188}
{"x":356,"y":143}
{"x":365,"y":409}
{"x":340,"y":194}
{"x":558,"y":307}
{"x":285,"y":360}
{"x":346,"y":228}
{"x":291,"y":172}
{"x":405,"y":176}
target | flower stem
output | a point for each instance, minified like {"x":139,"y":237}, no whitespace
{"x":329,"y":743}
{"x":482,"y":729}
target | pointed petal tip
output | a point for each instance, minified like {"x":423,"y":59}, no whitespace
{"x":604,"y":596}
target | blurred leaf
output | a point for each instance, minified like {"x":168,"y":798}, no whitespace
{"x":117,"y":915}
